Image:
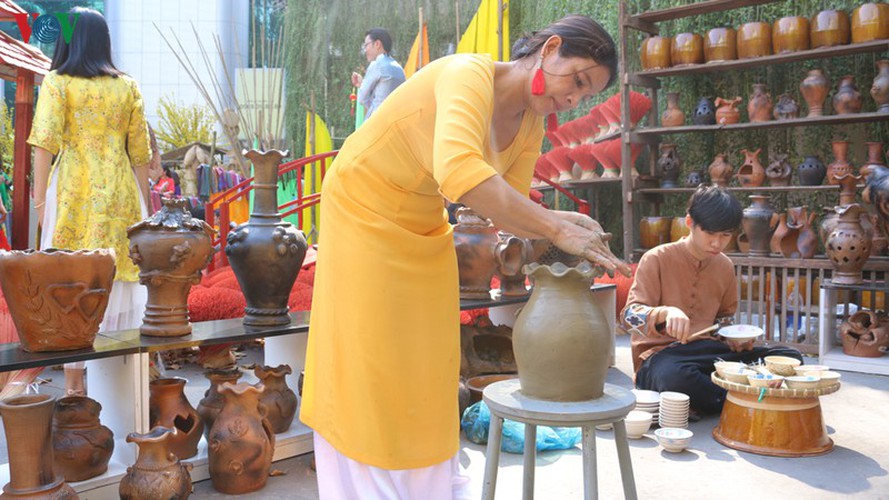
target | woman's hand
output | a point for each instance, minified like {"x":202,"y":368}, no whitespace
{"x":584,"y":237}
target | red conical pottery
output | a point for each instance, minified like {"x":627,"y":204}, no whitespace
{"x":157,"y":473}
{"x":168,"y":407}
{"x":211,"y":404}
{"x":814,"y":90}
{"x":758,"y":224}
{"x":840,"y":165}
{"x":475,"y":239}
{"x":759,"y":106}
{"x":751,"y":173}
{"x":880,"y":88}
{"x":279,"y":400}
{"x":266,"y":252}
{"x":171,"y":249}
{"x":848,"y":246}
{"x":82,"y":446}
{"x":847,"y":99}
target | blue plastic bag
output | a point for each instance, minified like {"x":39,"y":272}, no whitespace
{"x":477,"y":421}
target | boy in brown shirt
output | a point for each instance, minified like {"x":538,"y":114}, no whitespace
{"x":684,"y":287}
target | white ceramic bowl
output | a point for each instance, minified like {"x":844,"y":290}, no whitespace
{"x":638,"y":416}
{"x":674,"y":397}
{"x":647,"y":397}
{"x":802,"y":382}
{"x":811,"y":370}
{"x":672,"y":439}
{"x":738,"y":377}
{"x":828,"y":379}
{"x":740,"y":333}
{"x":765,"y":380}
{"x":635,"y":430}
{"x":722,"y":366}
{"x":782,"y":365}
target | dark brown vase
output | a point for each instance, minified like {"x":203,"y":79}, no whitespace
{"x":679,"y":229}
{"x":759,"y":106}
{"x":790,"y":34}
{"x":279,"y":400}
{"x":669,"y":165}
{"x":758,"y":224}
{"x":687,"y":48}
{"x":475,"y":239}
{"x":865,"y":335}
{"x":848,"y":246}
{"x":266,"y":252}
{"x":880,"y":88}
{"x":721,"y":171}
{"x":82,"y":446}
{"x":840,"y":164}
{"x":783,"y":241}
{"x":727,"y":111}
{"x":779,"y":170}
{"x":27,"y":422}
{"x":211,"y":404}
{"x":673,"y":116}
{"x":847,"y":99}
{"x":754,"y":40}
{"x":171,"y":249}
{"x":751,"y":173}
{"x":654,"y":231}
{"x":721,"y":44}
{"x":829,"y":28}
{"x":870,"y":21}
{"x":807,"y":241}
{"x":655,"y":52}
{"x":786,"y":108}
{"x":57,"y":298}
{"x":814,"y":90}
{"x":241,"y":442}
{"x":157,"y":473}
{"x":512,"y":254}
{"x":168,"y":407}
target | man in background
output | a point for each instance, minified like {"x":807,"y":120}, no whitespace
{"x":383,"y":73}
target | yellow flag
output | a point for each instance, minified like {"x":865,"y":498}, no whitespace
{"x":418,"y":58}
{"x":317,"y":141}
{"x":481,"y":35}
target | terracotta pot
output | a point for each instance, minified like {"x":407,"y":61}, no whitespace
{"x":655,"y":52}
{"x":829,"y":28}
{"x":705,"y":113}
{"x":865,"y":335}
{"x":475,"y":239}
{"x":168,"y":407}
{"x":783,"y":240}
{"x":758,"y":224}
{"x":27,"y":422}
{"x":687,"y":48}
{"x":512,"y":254}
{"x":171,"y":249}
{"x":847,"y":99}
{"x":811,"y":171}
{"x":790,"y":34}
{"x":751,"y":173}
{"x":579,"y":345}
{"x":669,"y":165}
{"x":678,"y":229}
{"x":759,"y":106}
{"x":673,"y":116}
{"x":721,"y":171}
{"x":654,"y":231}
{"x":807,"y":241}
{"x":157,"y":473}
{"x":57,"y":298}
{"x":870,"y":21}
{"x":266,"y":252}
{"x":82,"y":446}
{"x":279,"y":400}
{"x":779,"y":170}
{"x":814,"y":90}
{"x":211,"y":404}
{"x":694,"y":179}
{"x":848,"y":246}
{"x":840,"y":165}
{"x":721,"y":44}
{"x":754,"y":40}
{"x":848,"y":187}
{"x":727,"y":110}
{"x":880,"y":88}
{"x":241,"y":442}
{"x":786,"y":108}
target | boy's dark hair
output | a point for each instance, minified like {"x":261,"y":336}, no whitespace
{"x":89,"y":53}
{"x":714,"y":209}
{"x":383,"y":36}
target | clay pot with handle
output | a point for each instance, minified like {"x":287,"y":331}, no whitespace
{"x":727,"y":111}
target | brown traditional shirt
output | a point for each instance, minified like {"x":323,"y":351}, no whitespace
{"x":669,"y":275}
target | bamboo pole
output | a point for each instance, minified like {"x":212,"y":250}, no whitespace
{"x":500,"y":30}
{"x":420,"y":43}
{"x":457,"y":17}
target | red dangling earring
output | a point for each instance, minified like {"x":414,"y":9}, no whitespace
{"x":538,"y":83}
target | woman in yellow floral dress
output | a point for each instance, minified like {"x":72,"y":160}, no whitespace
{"x":90,"y":117}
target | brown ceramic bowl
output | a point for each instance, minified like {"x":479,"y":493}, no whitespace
{"x":655,"y":52}
{"x":829,"y":28}
{"x":721,"y":44}
{"x":478,"y":383}
{"x":754,"y":40}
{"x":870,"y":22}
{"x":687,"y":48}
{"x":790,"y":34}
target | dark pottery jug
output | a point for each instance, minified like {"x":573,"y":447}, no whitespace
{"x":211,"y":404}
{"x":82,"y":446}
{"x":669,"y":165}
{"x":475,"y":239}
{"x":814,"y":90}
{"x":811,"y":171}
{"x":158,"y":472}
{"x":705,"y":113}
{"x":847,"y":99}
{"x":168,"y":407}
{"x":786,"y":108}
{"x":279,"y":400}
{"x":758,"y":224}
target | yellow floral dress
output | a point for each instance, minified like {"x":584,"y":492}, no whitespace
{"x":96,"y":129}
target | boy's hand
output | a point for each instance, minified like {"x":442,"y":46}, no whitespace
{"x":677,"y":323}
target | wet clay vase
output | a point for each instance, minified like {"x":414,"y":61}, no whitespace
{"x":168,"y":407}
{"x":562,"y":326}
{"x":840,"y":164}
{"x":704,"y":113}
{"x":279,"y":400}
{"x":727,"y":111}
{"x":759,"y":106}
{"x":171,"y":249}
{"x":57,"y":298}
{"x":847,"y":99}
{"x":758,"y":224}
{"x":266,"y":252}
{"x":807,"y":241}
{"x":655,"y":52}
{"x":848,"y":246}
{"x":512,"y":254}
{"x":865,"y":335}
{"x":27,"y":422}
{"x":673,"y":116}
{"x":786,"y":108}
{"x":211,"y":404}
{"x":669,"y":165}
{"x":751,"y":173}
{"x":754,"y":40}
{"x":783,"y":241}
{"x":158,"y":472}
{"x":687,"y":48}
{"x":870,"y":21}
{"x":779,"y":171}
{"x":721,"y":171}
{"x":720,"y":44}
{"x":475,"y":239}
{"x":790,"y":34}
{"x":829,"y":28}
{"x":880,"y":88}
{"x":241,"y":442}
{"x":814,"y":90}
{"x":679,"y":228}
{"x":654,"y":231}
{"x":82,"y":446}
{"x":694,"y":179}
{"x":811,"y":171}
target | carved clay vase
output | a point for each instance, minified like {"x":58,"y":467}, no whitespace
{"x":562,"y":326}
{"x":751,"y":173}
{"x":807,"y":241}
{"x":779,"y":170}
{"x":654,"y":231}
{"x":721,"y":171}
{"x":27,"y":422}
{"x":512,"y":254}
{"x":171,"y":249}
{"x":727,"y":111}
{"x":829,"y":28}
{"x":840,"y":165}
{"x":754,"y":40}
{"x":814,"y":90}
{"x":870,"y":21}
{"x":266,"y":252}
{"x":241,"y":442}
{"x":790,"y":34}
{"x":783,"y":240}
{"x":848,"y":187}
{"x":82,"y":446}
{"x":157,"y":473}
{"x":811,"y":171}
{"x":168,"y":407}
{"x":655,"y":52}
{"x":673,"y":116}
{"x":880,"y":88}
{"x":279,"y":400}
{"x":211,"y":404}
{"x":721,"y":44}
{"x":786,"y":108}
{"x":679,"y":228}
{"x":758,"y":225}
{"x":694,"y":179}
{"x":705,"y":113}
{"x":687,"y":48}
{"x":848,"y":246}
{"x":57,"y":298}
{"x":847,"y":99}
{"x":669,"y":165}
{"x":865,"y":335}
{"x":759,"y":106}
{"x":475,"y":239}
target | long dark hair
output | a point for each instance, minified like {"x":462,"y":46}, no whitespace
{"x":581,"y":37}
{"x":89,"y":53}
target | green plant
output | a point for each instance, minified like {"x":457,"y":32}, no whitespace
{"x":180,"y":124}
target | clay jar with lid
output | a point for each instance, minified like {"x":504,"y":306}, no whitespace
{"x":754,"y":40}
{"x":721,"y":44}
{"x":870,"y":21}
{"x":82,"y":446}
{"x":829,"y":28}
{"x":655,"y":52}
{"x":880,"y":88}
{"x":790,"y":34}
{"x":687,"y":48}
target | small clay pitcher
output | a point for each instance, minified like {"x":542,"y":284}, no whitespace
{"x":512,"y":254}
{"x":751,"y":173}
{"x":687,"y":48}
{"x":848,"y":246}
{"x":721,"y":171}
{"x":82,"y":446}
{"x":790,"y":34}
{"x":673,"y":116}
{"x":880,"y":88}
{"x":157,"y":473}
{"x":704,"y":113}
{"x":758,"y":224}
{"x":211,"y":404}
{"x":168,"y":407}
{"x":475,"y":239}
{"x":654,"y":231}
{"x":655,"y":52}
{"x":721,"y":44}
{"x":847,"y":99}
{"x":727,"y":110}
{"x":759,"y":106}
{"x":679,"y":228}
{"x":870,"y":21}
{"x":754,"y":40}
{"x":814,"y":90}
{"x":807,"y":241}
{"x":783,"y":241}
{"x":840,"y":164}
{"x":779,"y":170}
{"x":829,"y":28}
{"x":811,"y":171}
{"x":669,"y":165}
{"x":786,"y":108}
{"x":279,"y":400}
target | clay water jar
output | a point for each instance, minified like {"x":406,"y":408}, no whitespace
{"x":814,"y":90}
{"x":840,"y":165}
{"x":754,"y":40}
{"x":751,"y":173}
{"x":687,"y":48}
{"x":82,"y":446}
{"x":475,"y":239}
{"x":721,"y":171}
{"x":759,"y":106}
{"x":678,"y":229}
{"x":790,"y":34}
{"x":655,"y":52}
{"x":654,"y":231}
{"x":673,"y":116}
{"x":811,"y":171}
{"x":870,"y":21}
{"x":168,"y":407}
{"x":157,"y":473}
{"x":847,"y":99}
{"x":211,"y":404}
{"x":848,"y":245}
{"x":727,"y":111}
{"x":830,"y":27}
{"x":779,"y":170}
{"x":758,"y":224}
{"x":880,"y":88}
{"x":721,"y":44}
{"x":279,"y":400}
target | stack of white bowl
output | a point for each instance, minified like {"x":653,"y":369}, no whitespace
{"x":673,"y":411}
{"x":648,"y":401}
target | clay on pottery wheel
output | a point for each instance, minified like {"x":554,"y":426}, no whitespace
{"x":82,"y":446}
{"x":475,"y":239}
{"x":168,"y":407}
{"x":157,"y":473}
{"x":814,"y":90}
